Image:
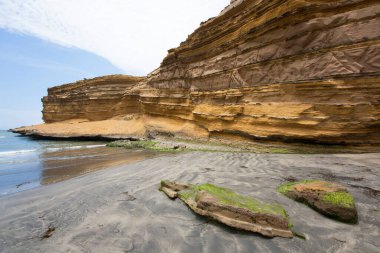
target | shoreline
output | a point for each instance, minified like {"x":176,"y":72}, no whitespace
{"x":27,"y":163}
{"x":120,"y":209}
{"x":58,"y":137}
{"x":140,"y":128}
{"x":76,"y":133}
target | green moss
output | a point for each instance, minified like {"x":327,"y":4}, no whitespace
{"x":280,"y":151}
{"x":201,"y":142}
{"x":163,"y":183}
{"x":340,"y":199}
{"x":148,"y":145}
{"x":133,"y":144}
{"x":227,"y":196}
{"x":285,"y":188}
{"x":299,"y":235}
{"x":187,"y":194}
{"x":155,"y":146}
{"x":290,"y":224}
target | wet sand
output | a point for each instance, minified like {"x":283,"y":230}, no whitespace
{"x":121,"y":210}
{"x":24,"y":170}
{"x":63,"y":165}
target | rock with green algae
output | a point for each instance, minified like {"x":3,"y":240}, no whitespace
{"x":231,"y":209}
{"x":330,"y":199}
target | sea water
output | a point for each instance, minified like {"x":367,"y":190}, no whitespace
{"x":22,"y":159}
{"x":27,"y":163}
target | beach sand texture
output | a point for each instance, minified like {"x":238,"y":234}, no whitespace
{"x":121,"y":209}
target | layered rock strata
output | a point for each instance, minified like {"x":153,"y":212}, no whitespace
{"x":282,"y":69}
{"x":92,"y":99}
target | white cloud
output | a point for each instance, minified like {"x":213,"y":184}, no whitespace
{"x":133,"y":35}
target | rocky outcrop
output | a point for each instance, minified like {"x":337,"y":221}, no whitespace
{"x":93,"y":99}
{"x":280,"y":70}
{"x":328,"y":198}
{"x":231,"y":209}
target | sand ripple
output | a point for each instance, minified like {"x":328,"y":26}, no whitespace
{"x":96,"y":213}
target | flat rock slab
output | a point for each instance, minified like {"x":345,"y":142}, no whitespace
{"x":231,"y":209}
{"x":328,"y":198}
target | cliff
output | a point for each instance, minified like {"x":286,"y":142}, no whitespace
{"x":93,"y":99}
{"x":289,"y":70}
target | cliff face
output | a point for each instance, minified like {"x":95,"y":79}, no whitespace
{"x":93,"y":99}
{"x":292,"y":70}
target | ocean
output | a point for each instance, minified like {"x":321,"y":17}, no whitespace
{"x":27,"y":163}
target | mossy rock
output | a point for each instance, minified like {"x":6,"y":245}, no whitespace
{"x":232,"y":209}
{"x":328,"y":198}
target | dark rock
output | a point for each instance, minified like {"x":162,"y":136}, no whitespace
{"x":48,"y":233}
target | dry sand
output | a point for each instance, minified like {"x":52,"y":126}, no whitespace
{"x":121,"y":210}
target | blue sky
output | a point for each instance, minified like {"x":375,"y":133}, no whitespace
{"x":30,"y":65}
{"x":44,"y":43}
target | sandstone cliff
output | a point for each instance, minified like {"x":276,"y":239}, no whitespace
{"x":93,"y":99}
{"x":290,"y":70}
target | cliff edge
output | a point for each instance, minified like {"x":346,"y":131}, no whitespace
{"x":287,"y":70}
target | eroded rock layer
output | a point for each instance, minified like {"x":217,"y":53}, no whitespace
{"x":284,"y":69}
{"x":93,"y":99}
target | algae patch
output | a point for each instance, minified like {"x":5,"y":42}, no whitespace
{"x":340,"y":198}
{"x":229,"y":197}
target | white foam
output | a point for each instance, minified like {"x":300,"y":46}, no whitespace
{"x":17,"y":152}
{"x":74,"y":148}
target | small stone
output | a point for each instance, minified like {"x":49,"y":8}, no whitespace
{"x":129,"y":197}
{"x":48,"y":233}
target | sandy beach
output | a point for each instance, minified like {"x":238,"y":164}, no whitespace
{"x":121,"y":210}
{"x":149,"y":127}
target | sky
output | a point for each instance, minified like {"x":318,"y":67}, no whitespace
{"x":44,"y":43}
